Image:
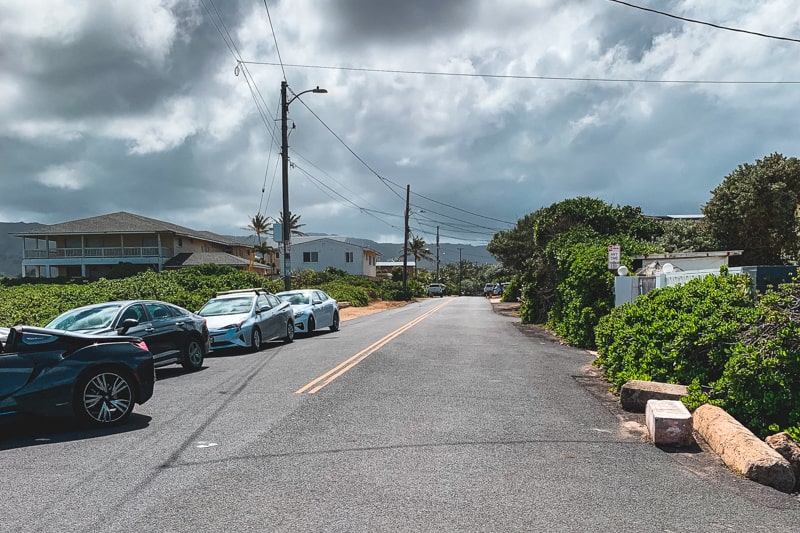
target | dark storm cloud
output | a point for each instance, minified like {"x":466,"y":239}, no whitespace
{"x":361,"y":22}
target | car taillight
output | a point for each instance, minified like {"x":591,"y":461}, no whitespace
{"x":142,"y":345}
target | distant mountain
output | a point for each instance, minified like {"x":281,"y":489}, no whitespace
{"x":11,"y":247}
{"x":448,"y":252}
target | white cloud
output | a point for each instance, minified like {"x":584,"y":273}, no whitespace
{"x":64,"y":177}
{"x":164,"y":130}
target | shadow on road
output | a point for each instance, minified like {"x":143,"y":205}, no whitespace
{"x":26,"y":431}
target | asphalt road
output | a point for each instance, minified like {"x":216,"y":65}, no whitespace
{"x":438,"y":416}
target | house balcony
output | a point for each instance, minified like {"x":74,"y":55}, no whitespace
{"x":111,"y":252}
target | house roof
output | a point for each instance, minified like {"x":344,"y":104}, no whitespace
{"x":123,"y":222}
{"x":336,"y":238}
{"x":688,"y":255}
{"x":394,"y":263}
{"x":203,"y":258}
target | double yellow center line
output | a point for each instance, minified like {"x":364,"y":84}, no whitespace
{"x":343,"y":367}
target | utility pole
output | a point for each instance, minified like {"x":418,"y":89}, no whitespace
{"x":437,"y":253}
{"x":405,"y":241}
{"x":459,"y":271}
{"x":287,"y":261}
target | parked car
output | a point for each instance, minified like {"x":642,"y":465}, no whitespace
{"x":313,"y":309}
{"x":247,"y":318}
{"x":97,"y":378}
{"x":436,"y":289}
{"x":488,"y":289}
{"x":173,"y":334}
{"x":499,"y":288}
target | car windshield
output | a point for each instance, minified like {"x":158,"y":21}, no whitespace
{"x":295,"y":299}
{"x":86,"y":319}
{"x":227,"y":306}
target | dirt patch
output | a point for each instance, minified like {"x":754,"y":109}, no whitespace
{"x":347,"y":312}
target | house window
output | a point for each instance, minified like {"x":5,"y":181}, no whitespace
{"x":310,"y":257}
{"x":180,"y":242}
{"x":348,"y":257}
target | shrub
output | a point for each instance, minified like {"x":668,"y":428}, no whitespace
{"x":760,"y":385}
{"x":585,"y":292}
{"x":675,"y":334}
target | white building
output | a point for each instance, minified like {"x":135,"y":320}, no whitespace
{"x":319,"y":253}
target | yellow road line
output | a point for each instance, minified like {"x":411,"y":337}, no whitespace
{"x":349,"y":363}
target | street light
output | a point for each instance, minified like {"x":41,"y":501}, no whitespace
{"x":287,"y":262}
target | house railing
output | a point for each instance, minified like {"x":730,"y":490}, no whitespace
{"x":102,"y":252}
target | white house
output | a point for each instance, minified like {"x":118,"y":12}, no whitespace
{"x":319,"y":253}
{"x":655,"y":271}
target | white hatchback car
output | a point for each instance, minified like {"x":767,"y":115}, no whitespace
{"x":313,"y":309}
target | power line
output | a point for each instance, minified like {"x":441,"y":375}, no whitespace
{"x":524,"y":77}
{"x":768,"y":36}
{"x":275,"y":39}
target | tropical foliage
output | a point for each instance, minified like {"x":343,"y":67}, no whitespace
{"x":736,"y":351}
{"x":754,"y":209}
{"x":560,"y":256}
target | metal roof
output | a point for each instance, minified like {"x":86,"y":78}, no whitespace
{"x":123,"y":222}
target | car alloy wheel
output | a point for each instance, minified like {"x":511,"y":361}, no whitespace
{"x":255,"y":340}
{"x":192,"y":355}
{"x":289,"y":333}
{"x":335,"y":323}
{"x":104,"y":397}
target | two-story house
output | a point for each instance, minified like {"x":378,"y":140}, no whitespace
{"x":319,"y":253}
{"x":91,"y":247}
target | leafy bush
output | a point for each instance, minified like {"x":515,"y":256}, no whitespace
{"x":675,"y":334}
{"x":36,"y":304}
{"x":760,"y":384}
{"x":585,"y":292}
{"x":738,"y":354}
{"x":344,"y":292}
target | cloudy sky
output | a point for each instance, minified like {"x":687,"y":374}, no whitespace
{"x":487,"y":109}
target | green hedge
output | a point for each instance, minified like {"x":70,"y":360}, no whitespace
{"x":38,"y":302}
{"x":735,"y":352}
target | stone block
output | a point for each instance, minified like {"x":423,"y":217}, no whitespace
{"x":741,"y":450}
{"x":635,"y":394}
{"x":669,"y":422}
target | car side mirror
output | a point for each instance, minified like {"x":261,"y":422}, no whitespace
{"x":127,"y":324}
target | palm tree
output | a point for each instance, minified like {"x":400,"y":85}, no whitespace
{"x":294,"y":224}
{"x":417,"y":248}
{"x":259,"y":225}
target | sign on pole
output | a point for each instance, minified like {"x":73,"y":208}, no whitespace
{"x":613,"y":257}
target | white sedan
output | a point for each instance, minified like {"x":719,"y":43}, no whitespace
{"x":313,"y":309}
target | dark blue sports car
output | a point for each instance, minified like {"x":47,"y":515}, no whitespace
{"x":97,"y":378}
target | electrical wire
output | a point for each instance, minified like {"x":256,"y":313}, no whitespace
{"x":524,"y":77}
{"x":768,"y":36}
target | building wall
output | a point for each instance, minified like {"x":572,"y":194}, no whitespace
{"x":330,"y":253}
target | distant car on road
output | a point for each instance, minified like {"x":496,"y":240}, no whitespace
{"x":172,"y":333}
{"x":247,"y":318}
{"x":97,"y":378}
{"x":499,"y":288}
{"x":313,"y":309}
{"x":436,"y":289}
